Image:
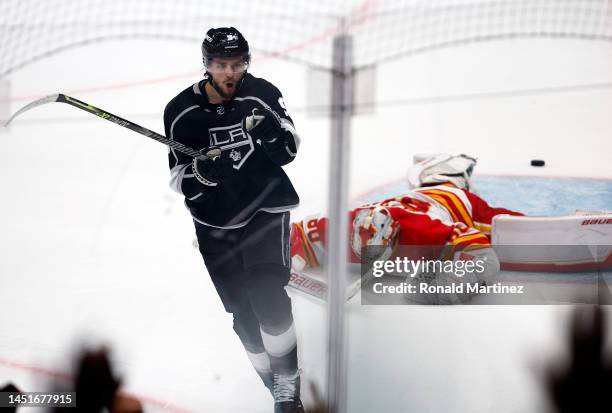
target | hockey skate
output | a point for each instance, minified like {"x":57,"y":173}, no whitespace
{"x":286,"y":393}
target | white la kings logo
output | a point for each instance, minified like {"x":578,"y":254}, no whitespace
{"x":234,"y":139}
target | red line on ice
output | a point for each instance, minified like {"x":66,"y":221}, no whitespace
{"x":68,"y":377}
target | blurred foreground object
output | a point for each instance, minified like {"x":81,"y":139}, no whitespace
{"x":9,"y":388}
{"x":580,"y":384}
{"x":97,"y":388}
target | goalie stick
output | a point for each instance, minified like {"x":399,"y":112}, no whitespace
{"x":317,"y":287}
{"x":60,"y":97}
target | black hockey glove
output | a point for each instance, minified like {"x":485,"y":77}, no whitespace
{"x":212,"y":168}
{"x":264,"y":125}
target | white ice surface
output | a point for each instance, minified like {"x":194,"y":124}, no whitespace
{"x":95,"y":247}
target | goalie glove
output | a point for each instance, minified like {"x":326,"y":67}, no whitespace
{"x":458,"y":284}
{"x":442,"y":168}
{"x":212,"y":168}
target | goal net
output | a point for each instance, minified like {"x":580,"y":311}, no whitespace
{"x":301,"y":31}
{"x":502,"y":80}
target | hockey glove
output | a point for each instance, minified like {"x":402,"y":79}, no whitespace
{"x":212,"y":168}
{"x":265,"y":126}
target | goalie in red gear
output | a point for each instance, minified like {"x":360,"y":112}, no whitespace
{"x":442,"y":215}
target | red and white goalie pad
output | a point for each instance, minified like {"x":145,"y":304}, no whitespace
{"x":535,"y":244}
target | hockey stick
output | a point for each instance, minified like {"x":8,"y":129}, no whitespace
{"x":302,"y":281}
{"x":307,"y":284}
{"x":106,"y":116}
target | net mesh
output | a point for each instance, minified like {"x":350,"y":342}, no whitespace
{"x":298,"y":31}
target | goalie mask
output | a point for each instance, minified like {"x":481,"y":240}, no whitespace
{"x":376,"y":230}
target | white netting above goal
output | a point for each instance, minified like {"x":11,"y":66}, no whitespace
{"x":293,"y":30}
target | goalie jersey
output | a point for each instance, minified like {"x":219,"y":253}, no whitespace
{"x":441,"y":215}
{"x":258,"y":183}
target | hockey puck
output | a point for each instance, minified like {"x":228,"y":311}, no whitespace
{"x":537,"y":162}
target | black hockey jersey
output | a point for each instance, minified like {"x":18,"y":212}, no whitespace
{"x":258,"y":182}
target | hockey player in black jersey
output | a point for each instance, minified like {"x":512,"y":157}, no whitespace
{"x":240,"y":198}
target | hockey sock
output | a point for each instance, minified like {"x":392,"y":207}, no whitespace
{"x":282,"y":350}
{"x":272,"y":306}
{"x":247,"y":328}
{"x":261,"y":363}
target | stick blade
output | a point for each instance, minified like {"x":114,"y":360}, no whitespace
{"x":38,"y":102}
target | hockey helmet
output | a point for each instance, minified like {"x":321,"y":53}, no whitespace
{"x":224,"y":42}
{"x":374,"y":232}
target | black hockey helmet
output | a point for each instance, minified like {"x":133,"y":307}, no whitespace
{"x":224,"y":42}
